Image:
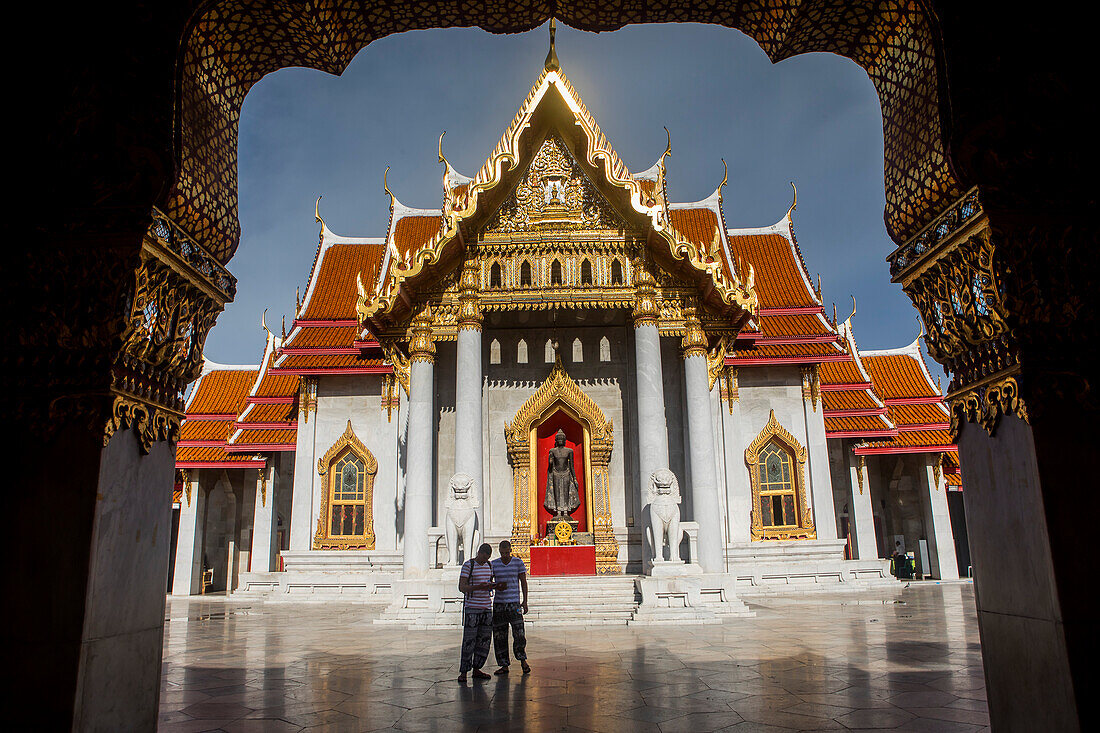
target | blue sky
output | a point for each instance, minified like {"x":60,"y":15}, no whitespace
{"x":814,"y":120}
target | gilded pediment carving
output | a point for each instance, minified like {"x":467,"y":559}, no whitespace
{"x":554,"y":193}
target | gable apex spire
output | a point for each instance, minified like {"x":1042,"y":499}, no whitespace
{"x":551,"y":63}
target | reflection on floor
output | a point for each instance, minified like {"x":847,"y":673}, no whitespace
{"x":909,"y":661}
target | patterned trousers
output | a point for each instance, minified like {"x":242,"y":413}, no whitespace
{"x":477,"y":630}
{"x":505,"y":615}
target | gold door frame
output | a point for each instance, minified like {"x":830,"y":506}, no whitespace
{"x":559,"y":391}
{"x":805,"y":529}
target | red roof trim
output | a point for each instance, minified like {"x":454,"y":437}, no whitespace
{"x":805,"y":339}
{"x":926,"y":426}
{"x":914,"y":400}
{"x":272,"y":425}
{"x":905,"y":449}
{"x":200,"y":443}
{"x":321,"y":322}
{"x":366,"y":344}
{"x":845,"y":387}
{"x":856,"y":412}
{"x":198,"y":416}
{"x":260,"y":447}
{"x":330,"y":351}
{"x":308,"y":372}
{"x":765,"y":361}
{"x":861,"y":434}
{"x":286,"y":400}
{"x":221,"y":464}
{"x":805,"y":310}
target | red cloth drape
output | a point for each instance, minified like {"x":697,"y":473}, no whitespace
{"x":574,"y":438}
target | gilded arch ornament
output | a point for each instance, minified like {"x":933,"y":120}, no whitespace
{"x":560,"y":391}
{"x":805,"y":529}
{"x":322,"y":537}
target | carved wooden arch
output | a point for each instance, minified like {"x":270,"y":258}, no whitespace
{"x":559,"y":391}
{"x":229,"y":45}
{"x":321,"y":538}
{"x":806,"y":528}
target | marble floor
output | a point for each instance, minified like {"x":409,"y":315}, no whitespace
{"x":908,"y":661}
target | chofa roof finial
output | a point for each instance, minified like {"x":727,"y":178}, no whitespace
{"x":794,"y":202}
{"x":552,"y":56}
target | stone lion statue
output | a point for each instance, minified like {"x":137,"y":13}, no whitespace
{"x":460,"y":505}
{"x":663,"y":498}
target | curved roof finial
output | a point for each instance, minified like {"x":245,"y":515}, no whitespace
{"x":385,"y":186}
{"x":551,"y":63}
{"x":442,"y":158}
{"x":725,"y":176}
{"x":668,"y":150}
{"x":317,"y":212}
{"x":794,"y":203}
{"x":263,"y":323}
{"x":849,"y":320}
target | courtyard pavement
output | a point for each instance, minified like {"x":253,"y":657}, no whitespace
{"x":908,"y":661}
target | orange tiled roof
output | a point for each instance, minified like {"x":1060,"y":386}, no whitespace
{"x":919,"y":414}
{"x":332,"y":292}
{"x":841,"y":372}
{"x":410,"y":233}
{"x":913,"y":439}
{"x":327,"y":361}
{"x":849,"y":399}
{"x":188,"y":454}
{"x":861,"y":423}
{"x":763,"y":351}
{"x":269,"y":413}
{"x":205,"y":430}
{"x":221,"y":392}
{"x":797,"y":325}
{"x":323,"y":337}
{"x":898,"y":375}
{"x":268,"y":436}
{"x":780,"y":281}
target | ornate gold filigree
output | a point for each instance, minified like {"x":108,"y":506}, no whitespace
{"x":560,"y":391}
{"x":421,"y":346}
{"x":261,"y":476}
{"x":645,"y":300}
{"x":185,"y":479}
{"x":861,"y":472}
{"x":986,"y":403}
{"x":805,"y":528}
{"x":937,"y":470}
{"x":322,"y":540}
{"x":469,"y":308}
{"x":811,"y":384}
{"x":694,"y":342}
{"x":307,"y":397}
{"x":151,"y":423}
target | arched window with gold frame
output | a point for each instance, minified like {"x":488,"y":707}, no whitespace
{"x":777,"y":473}
{"x":346,"y":519}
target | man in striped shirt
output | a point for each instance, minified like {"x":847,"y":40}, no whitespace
{"x":511,"y":576}
{"x":476,"y":582}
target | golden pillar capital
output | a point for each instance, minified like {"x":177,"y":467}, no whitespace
{"x":645,"y":297}
{"x":694,"y":342}
{"x":421,"y":346}
{"x":469,"y":307}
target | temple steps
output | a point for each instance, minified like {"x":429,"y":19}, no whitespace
{"x":584,"y":600}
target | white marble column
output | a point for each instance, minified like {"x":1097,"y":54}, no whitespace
{"x":421,"y":459}
{"x":703,"y":484}
{"x":264,"y":521}
{"x":937,"y":523}
{"x":186,"y":576}
{"x":817,"y":454}
{"x":861,"y":517}
{"x":652,"y":429}
{"x":468,"y":390}
{"x":302,"y":520}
